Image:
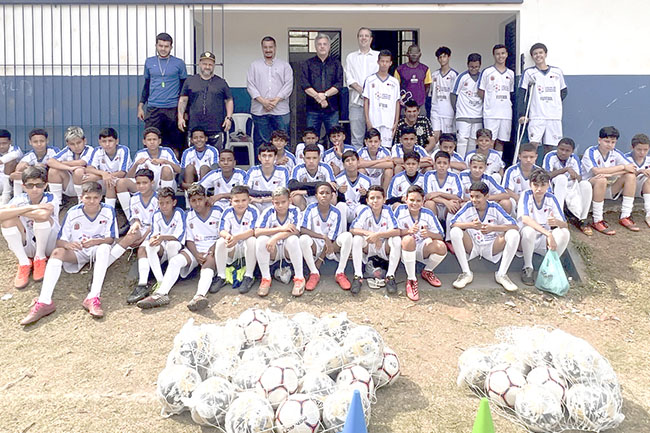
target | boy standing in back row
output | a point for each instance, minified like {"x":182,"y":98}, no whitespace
{"x":442,"y":112}
{"x":468,"y":105}
{"x":381,"y":100}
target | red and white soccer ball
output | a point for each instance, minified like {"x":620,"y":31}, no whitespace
{"x":503,"y":383}
{"x":254,"y":323}
{"x":356,"y":377}
{"x":299,"y":413}
{"x":389,"y":370}
{"x":277,"y":383}
{"x":549,"y":378}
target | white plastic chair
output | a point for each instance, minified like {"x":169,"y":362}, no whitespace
{"x":240,"y":124}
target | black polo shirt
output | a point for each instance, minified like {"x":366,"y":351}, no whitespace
{"x":321,"y":76}
{"x":207,"y":101}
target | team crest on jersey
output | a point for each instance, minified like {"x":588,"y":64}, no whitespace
{"x":245,"y":223}
{"x":492,"y":78}
{"x":518,"y":180}
{"x":103,"y":161}
{"x":490,"y":220}
{"x":192,"y":225}
{"x":136,"y":210}
{"x":103,"y":222}
{"x":372,"y":85}
{"x":211,"y":223}
{"x":76,"y":226}
{"x":218,"y":184}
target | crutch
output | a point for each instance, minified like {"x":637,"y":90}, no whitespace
{"x":521,"y":128}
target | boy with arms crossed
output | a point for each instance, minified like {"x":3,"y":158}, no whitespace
{"x":108,"y":164}
{"x":67,"y":170}
{"x":402,"y":181}
{"x":39,"y":155}
{"x":221,"y":180}
{"x":10,"y":154}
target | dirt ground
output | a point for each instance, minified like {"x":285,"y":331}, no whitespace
{"x":70,"y":373}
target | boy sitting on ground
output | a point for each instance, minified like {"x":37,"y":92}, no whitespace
{"x":198,"y":160}
{"x":39,"y":155}
{"x":10,"y":154}
{"x":266,"y":177}
{"x":485,"y":147}
{"x":221,"y":180}
{"x":108,"y":164}
{"x":353,"y":185}
{"x":68,"y":168}
{"x":641,"y":159}
{"x":375,"y":160}
{"x":403,"y":180}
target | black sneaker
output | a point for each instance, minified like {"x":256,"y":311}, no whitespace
{"x":246,"y":285}
{"x":355,"y":287}
{"x":217,"y":284}
{"x":140,"y":292}
{"x":527,"y":276}
{"x":124,"y":229}
{"x":391,"y":285}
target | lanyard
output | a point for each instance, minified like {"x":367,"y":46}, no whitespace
{"x":162,"y":71}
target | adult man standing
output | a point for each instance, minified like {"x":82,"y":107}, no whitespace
{"x":269,"y":82}
{"x":414,"y":78}
{"x":164,"y":76}
{"x":321,"y":80}
{"x":208,"y":100}
{"x":359,"y":65}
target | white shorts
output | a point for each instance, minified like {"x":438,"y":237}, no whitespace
{"x":467,"y":130}
{"x":548,"y":132}
{"x":374,"y":251}
{"x":386,"y":136}
{"x":187,"y":269}
{"x":84,"y":256}
{"x":500,"y":128}
{"x":640,"y":180}
{"x":164,"y":246}
{"x":157,"y":170}
{"x":609,"y":195}
{"x":280,"y":253}
{"x":239,"y":250}
{"x":69,"y":189}
{"x":485,"y":251}
{"x":419,"y":249}
{"x":443,"y":124}
{"x":320,"y":246}
{"x":30,"y":241}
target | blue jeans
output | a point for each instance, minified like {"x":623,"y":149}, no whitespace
{"x":317,"y":118}
{"x":265,"y":125}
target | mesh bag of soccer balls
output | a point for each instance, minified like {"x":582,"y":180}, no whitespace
{"x":545,"y":379}
{"x":265,"y":371}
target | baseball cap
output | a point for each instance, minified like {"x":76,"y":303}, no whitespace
{"x":207,"y":55}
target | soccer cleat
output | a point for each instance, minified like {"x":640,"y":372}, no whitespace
{"x":246,"y":285}
{"x":431,"y":278}
{"x":265,"y":286}
{"x":603,"y":227}
{"x":527,"y":276}
{"x":506,"y":282}
{"x":355,"y":287}
{"x":391,"y":285}
{"x":629,"y":224}
{"x":412,"y":290}
{"x":37,"y":311}
{"x":140,"y":292}
{"x":342,"y":281}
{"x":198,"y":303}
{"x":94,"y":307}
{"x":463,"y":280}
{"x":217,"y":284}
{"x":298,"y":286}
{"x":22,"y":276}
{"x":39,"y":269}
{"x":585,"y":228}
{"x":153,"y":301}
{"x":312,"y":282}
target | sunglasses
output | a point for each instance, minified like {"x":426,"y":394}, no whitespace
{"x":33,"y":185}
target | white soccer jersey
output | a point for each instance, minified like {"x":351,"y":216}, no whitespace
{"x":546,"y":102}
{"x":67,"y":155}
{"x":455,"y":157}
{"x":400,"y":183}
{"x":204,"y":233}
{"x":645,"y":164}
{"x":366,"y":220}
{"x":514,"y":179}
{"x":163,"y":153}
{"x":22,"y":200}
{"x":540,"y":214}
{"x":206,"y":158}
{"x":234,"y":225}
{"x":494,"y":161}
{"x":323,"y":173}
{"x":552,"y":163}
{"x":175,"y":226}
{"x":300,"y":152}
{"x":221,"y":185}
{"x":330,"y":157}
{"x":12,"y":154}
{"x":270,"y":220}
{"x":427,"y":220}
{"x":441,"y":87}
{"x":468,"y":104}
{"x":498,"y":87}
{"x":398,"y":151}
{"x":592,"y":158}
{"x":374,"y":173}
{"x":78,"y":227}
{"x":30,"y":157}
{"x":256,"y":180}
{"x":291,"y":162}
{"x":121,"y":161}
{"x":466,"y":182}
{"x":450,"y":185}
{"x":330,"y":226}
{"x":143,"y":211}
{"x":382,"y":98}
{"x":352,"y":193}
{"x":494,"y":215}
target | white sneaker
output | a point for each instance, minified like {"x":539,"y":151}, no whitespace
{"x":506,"y":283}
{"x":463,"y":279}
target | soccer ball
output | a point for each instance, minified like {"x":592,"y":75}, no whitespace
{"x":250,"y":412}
{"x":364,"y":346}
{"x":593,"y":407}
{"x":474,"y":365}
{"x":323,"y":354}
{"x":335,"y":325}
{"x":533,"y":344}
{"x":223,"y":366}
{"x":308,"y":324}
{"x":336,"y":406}
{"x":291,"y":361}
{"x":509,"y":354}
{"x":176,"y":383}
{"x":261,"y":354}
{"x":389,"y":370}
{"x":225,"y":339}
{"x":549,"y":378}
{"x":247,"y":374}
{"x":356,"y":377}
{"x":574,"y":358}
{"x":539,"y":408}
{"x":277,"y":383}
{"x":503,"y":383}
{"x":254,"y":323}
{"x":284,"y":336}
{"x":299,"y":413}
{"x":210,"y":401}
{"x":318,"y":385}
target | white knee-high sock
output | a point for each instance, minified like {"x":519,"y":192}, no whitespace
{"x":562,"y":237}
{"x":172,"y":274}
{"x":143,"y":271}
{"x":116,"y":252}
{"x":125,"y":199}
{"x":394,"y":255}
{"x":292,"y":247}
{"x":220,"y":255}
{"x":357,"y":255}
{"x":305,"y":245}
{"x":15,"y":242}
{"x":512,"y":242}
{"x":560,"y":185}
{"x":57,"y":191}
{"x":344,"y":241}
{"x":263,"y":256}
{"x":41,"y":234}
{"x":433,"y":261}
{"x":167,"y":183}
{"x":78,"y":191}
{"x":528,"y":238}
{"x":646,"y":204}
{"x":52,"y":274}
{"x":154,"y":261}
{"x":343,"y":208}
{"x":597,"y":208}
{"x":102,"y":258}
{"x":408,"y":257}
{"x":205,"y":279}
{"x":250,"y":256}
{"x":626,"y":206}
{"x":18,"y":187}
{"x":586,"y":193}
{"x":456,"y":235}
{"x":111,"y":201}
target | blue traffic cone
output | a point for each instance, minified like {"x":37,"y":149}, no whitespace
{"x":355,"y":421}
{"x":483,"y":422}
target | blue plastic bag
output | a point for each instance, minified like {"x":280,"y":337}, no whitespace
{"x":551,"y":277}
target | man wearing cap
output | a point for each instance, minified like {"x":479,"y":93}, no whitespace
{"x":208,"y":101}
{"x":164,"y":76}
{"x":269,"y":83}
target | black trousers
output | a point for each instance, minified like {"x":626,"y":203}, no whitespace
{"x":166,"y":120}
